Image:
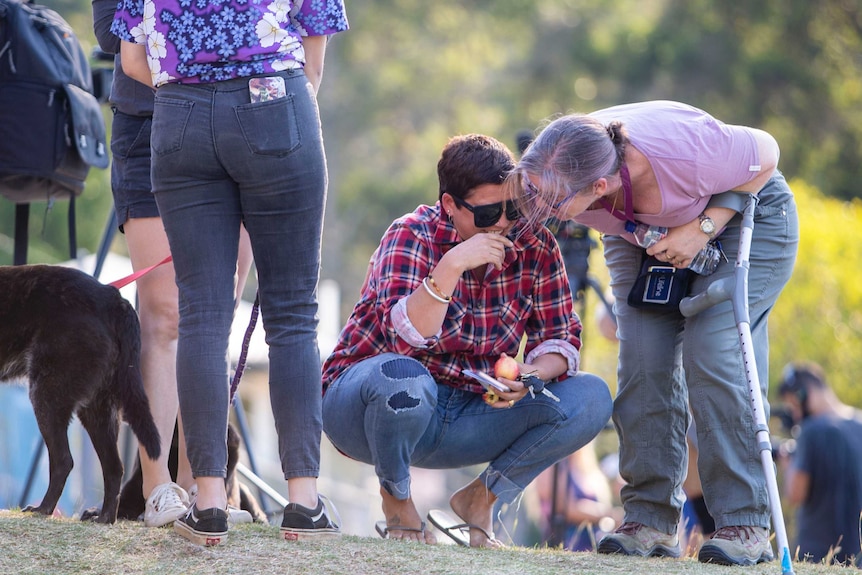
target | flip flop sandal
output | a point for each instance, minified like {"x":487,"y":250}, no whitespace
{"x":383,"y":529}
{"x":458,"y":532}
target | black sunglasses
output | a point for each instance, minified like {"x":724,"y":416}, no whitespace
{"x":487,"y":215}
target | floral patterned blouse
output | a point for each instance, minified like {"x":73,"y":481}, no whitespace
{"x":203,"y":41}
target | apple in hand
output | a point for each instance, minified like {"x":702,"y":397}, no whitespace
{"x":506,"y":368}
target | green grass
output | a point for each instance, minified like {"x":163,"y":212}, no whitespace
{"x":33,"y":544}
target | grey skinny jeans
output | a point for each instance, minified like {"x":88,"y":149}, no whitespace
{"x":219,"y":161}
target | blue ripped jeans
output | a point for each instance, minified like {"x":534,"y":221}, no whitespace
{"x":388,"y":411}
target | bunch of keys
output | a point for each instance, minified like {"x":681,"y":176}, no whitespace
{"x":536,"y":385}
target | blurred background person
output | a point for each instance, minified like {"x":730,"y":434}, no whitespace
{"x":577,"y":502}
{"x":697,"y":524}
{"x":137,"y":216}
{"x":823,"y":477}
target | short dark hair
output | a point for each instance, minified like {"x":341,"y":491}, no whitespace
{"x":470,"y":161}
{"x":798,"y":378}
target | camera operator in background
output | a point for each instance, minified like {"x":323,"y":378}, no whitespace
{"x":823,"y":477}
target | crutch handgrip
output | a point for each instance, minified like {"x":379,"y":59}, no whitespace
{"x":717,"y":292}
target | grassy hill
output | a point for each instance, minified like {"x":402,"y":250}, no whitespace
{"x":31,"y":545}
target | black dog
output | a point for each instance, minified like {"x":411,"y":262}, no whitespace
{"x":132,"y":501}
{"x":77,"y":342}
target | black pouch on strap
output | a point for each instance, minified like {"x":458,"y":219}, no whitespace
{"x":659,"y":285}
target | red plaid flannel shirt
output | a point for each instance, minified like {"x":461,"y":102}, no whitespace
{"x":529,"y":296}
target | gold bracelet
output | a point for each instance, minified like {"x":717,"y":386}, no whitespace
{"x":437,"y":289}
{"x":432,"y":294}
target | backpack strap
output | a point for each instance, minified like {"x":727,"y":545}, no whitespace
{"x":73,"y":243}
{"x":22,"y":221}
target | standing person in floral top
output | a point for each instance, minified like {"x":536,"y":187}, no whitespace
{"x":452,"y":287}
{"x":236,"y":140}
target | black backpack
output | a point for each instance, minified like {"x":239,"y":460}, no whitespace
{"x":51,"y":126}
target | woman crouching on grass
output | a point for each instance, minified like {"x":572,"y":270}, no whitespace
{"x":452,"y":287}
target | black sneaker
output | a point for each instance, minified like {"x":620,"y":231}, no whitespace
{"x":207,"y":527}
{"x":303,"y":523}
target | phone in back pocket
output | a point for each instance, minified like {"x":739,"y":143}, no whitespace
{"x":266,"y":89}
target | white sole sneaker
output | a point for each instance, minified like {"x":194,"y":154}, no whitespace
{"x":167,"y":503}
{"x":237,"y":516}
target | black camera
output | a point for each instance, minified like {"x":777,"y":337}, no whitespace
{"x":102,"y":75}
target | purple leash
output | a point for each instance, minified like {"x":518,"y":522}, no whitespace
{"x":240,"y":366}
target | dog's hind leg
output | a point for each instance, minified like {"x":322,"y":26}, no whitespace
{"x":100,"y":421}
{"x":248,"y":502}
{"x":53,"y":419}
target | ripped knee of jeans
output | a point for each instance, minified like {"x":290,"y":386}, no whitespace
{"x":401,"y":401}
{"x":402,"y":368}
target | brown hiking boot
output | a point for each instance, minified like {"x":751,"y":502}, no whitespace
{"x":737,"y":545}
{"x":632,"y":538}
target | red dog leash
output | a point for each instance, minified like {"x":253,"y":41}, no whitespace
{"x":123,"y":282}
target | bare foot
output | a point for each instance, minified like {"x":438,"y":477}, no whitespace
{"x":403,"y":513}
{"x":474,"y":504}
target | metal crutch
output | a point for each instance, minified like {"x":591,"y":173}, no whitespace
{"x":735,"y":288}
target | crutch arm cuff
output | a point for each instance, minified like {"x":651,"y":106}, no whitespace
{"x":734,"y":200}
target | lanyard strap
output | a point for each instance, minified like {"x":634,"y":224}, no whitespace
{"x":629,"y":216}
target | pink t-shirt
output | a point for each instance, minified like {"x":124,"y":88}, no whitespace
{"x":693,"y":156}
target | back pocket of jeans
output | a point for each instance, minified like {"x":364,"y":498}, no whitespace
{"x":130,"y":143}
{"x":170,"y":118}
{"x":269,"y":128}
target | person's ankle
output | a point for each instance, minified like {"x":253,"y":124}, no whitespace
{"x":211,"y":503}
{"x":473,"y":502}
{"x":303,"y":491}
{"x":211,"y":493}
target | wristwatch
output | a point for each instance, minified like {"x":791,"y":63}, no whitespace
{"x":707,"y":226}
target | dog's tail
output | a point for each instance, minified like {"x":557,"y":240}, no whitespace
{"x":130,"y":384}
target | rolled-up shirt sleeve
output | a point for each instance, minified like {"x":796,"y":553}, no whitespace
{"x":562,"y":347}
{"x":404,"y":327}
